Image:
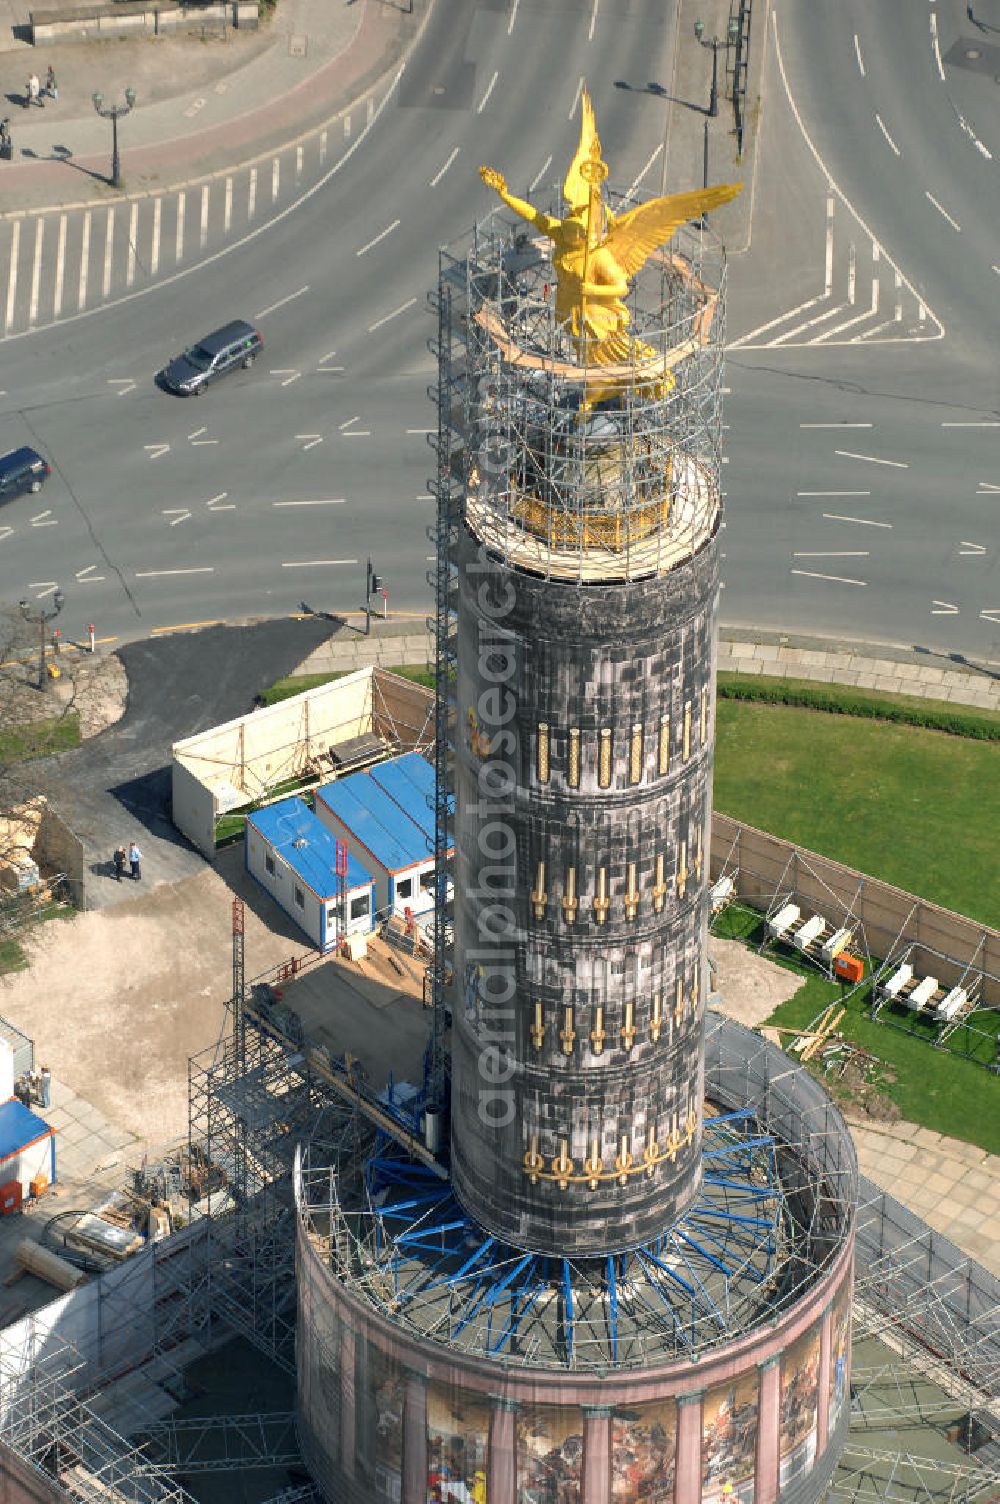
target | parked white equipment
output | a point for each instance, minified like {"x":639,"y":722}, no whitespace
{"x":835,"y":943}
{"x":720,"y":893}
{"x":952,"y":1004}
{"x":922,"y":993}
{"x":810,"y":931}
{"x":898,"y":980}
{"x":783,"y":920}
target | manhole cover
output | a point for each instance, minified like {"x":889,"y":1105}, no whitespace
{"x":297,"y":46}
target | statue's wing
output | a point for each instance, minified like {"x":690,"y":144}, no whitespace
{"x":575,"y":191}
{"x":636,"y":235}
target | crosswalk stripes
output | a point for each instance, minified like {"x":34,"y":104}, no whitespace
{"x":60,"y":263}
{"x":865,"y":299}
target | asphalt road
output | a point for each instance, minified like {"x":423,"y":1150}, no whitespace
{"x":268,"y":493}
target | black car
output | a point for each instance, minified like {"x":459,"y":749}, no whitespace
{"x":22,"y":470}
{"x":235,"y":344}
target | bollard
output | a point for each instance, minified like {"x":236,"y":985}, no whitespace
{"x":90,"y":629}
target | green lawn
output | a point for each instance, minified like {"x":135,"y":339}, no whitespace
{"x":39,"y":738}
{"x":933,"y":1087}
{"x":904,"y":804}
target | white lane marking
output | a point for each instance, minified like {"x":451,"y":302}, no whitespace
{"x":331,"y":501}
{"x":252,"y":193}
{"x":227,"y":206}
{"x":836,"y":579}
{"x":358,"y":433}
{"x":634,"y":185}
{"x":979,"y":423}
{"x":513,"y":17}
{"x":214,"y":503}
{"x":5,"y":533}
{"x":861,"y":521}
{"x":130,"y":251}
{"x":203,"y":225}
{"x":15,"y":248}
{"x":197,"y":432}
{"x":275,"y":178}
{"x":57,"y":295}
{"x":943,"y":608}
{"x":299,"y":160}
{"x":179,"y":237}
{"x":576,"y":98}
{"x":40,"y":516}
{"x":347,"y":127}
{"x":941,"y":210}
{"x":196,"y":442}
{"x":986,"y":488}
{"x":273,"y":307}
{"x":992,"y":615}
{"x":831,"y":553}
{"x":152,"y":574}
{"x":828,"y":288}
{"x":322,"y":146}
{"x":329,"y":356}
{"x":936,"y":47}
{"x":49,"y":587}
{"x":394,"y":314}
{"x":480,"y":107}
{"x":315,"y":563}
{"x":983,"y":151}
{"x":81,"y":293}
{"x":314,"y":439}
{"x":442,"y":170}
{"x":881,"y":125}
{"x":125,"y":382}
{"x":781,"y":319}
{"x":380,"y":236}
{"x":87,"y":576}
{"x":109,"y":248}
{"x":421,"y":430}
{"x":871,"y":459}
{"x":371,"y":109}
{"x":971,"y":550}
{"x":832,"y":184}
{"x":176,"y":514}
{"x":836,"y":425}
{"x":36,"y":270}
{"x":540,"y":174}
{"x":156,"y":450}
{"x":833,"y":493}
{"x":593,"y":21}
{"x":857,"y":53}
{"x":350,"y":422}
{"x":154,"y":250}
{"x":852,"y":275}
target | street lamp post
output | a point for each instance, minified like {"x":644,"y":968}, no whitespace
{"x":40,"y":619}
{"x":731,"y":37}
{"x":114,"y":113}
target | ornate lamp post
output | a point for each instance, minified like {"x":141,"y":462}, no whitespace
{"x":40,"y":619}
{"x":114,"y":113}
{"x":732,"y":36}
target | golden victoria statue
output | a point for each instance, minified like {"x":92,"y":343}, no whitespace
{"x":596,"y":252}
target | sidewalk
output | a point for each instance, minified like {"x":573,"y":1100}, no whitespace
{"x":243,"y":94}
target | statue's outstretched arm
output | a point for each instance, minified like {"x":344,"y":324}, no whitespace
{"x":544,"y":222}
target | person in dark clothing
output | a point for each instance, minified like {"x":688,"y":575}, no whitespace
{"x":119,"y":863}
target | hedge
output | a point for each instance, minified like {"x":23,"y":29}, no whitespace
{"x":838,"y":699}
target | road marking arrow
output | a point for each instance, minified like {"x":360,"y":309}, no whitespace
{"x":156,"y":450}
{"x":943,"y":608}
{"x":87,"y":576}
{"x":219,"y":503}
{"x":972,"y":549}
{"x":125,"y":384}
{"x":314,"y":439}
{"x":176,"y":514}
{"x":993,"y":615}
{"x":5,"y":532}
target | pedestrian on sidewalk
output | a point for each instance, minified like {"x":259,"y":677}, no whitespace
{"x":120,"y":859}
{"x":134,"y":859}
{"x":51,"y":85}
{"x":45,"y":1087}
{"x":35,"y":92}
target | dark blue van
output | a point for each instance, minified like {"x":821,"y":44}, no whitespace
{"x":22,"y":470}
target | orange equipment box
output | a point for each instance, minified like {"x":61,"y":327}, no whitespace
{"x":848,"y":968}
{"x":38,"y":1185}
{"x":10,"y":1197}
